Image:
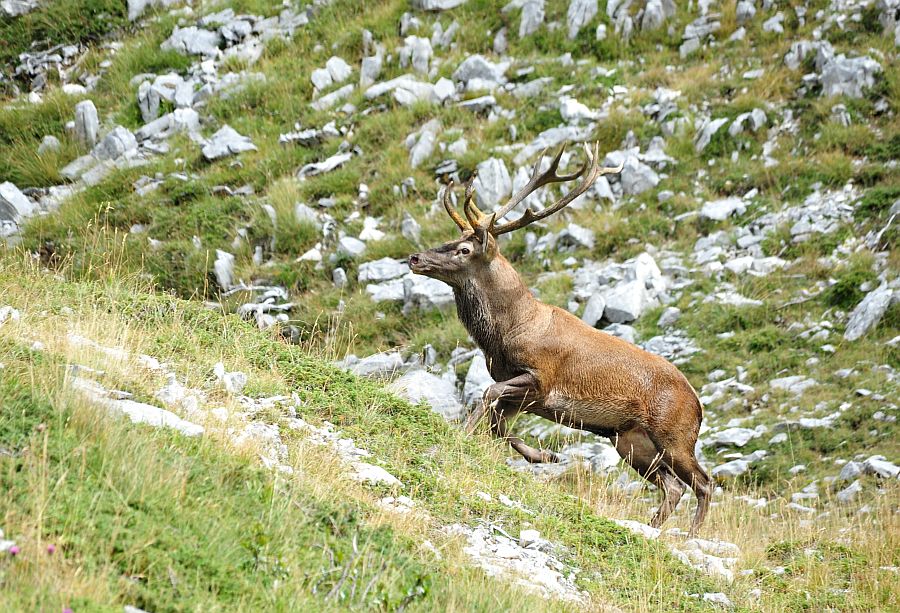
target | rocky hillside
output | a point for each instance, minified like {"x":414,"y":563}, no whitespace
{"x":205,"y":210}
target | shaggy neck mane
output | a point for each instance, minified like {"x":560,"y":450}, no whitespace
{"x":490,"y":306}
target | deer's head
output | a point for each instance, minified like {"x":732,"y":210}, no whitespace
{"x":465,"y":257}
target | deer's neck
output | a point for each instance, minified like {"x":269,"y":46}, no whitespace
{"x":492,"y":306}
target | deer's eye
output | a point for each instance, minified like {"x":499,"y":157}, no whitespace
{"x":465,"y":251}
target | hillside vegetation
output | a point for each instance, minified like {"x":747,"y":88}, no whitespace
{"x":205,"y":230}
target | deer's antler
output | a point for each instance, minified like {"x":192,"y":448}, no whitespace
{"x":539,"y":179}
{"x":461,"y":223}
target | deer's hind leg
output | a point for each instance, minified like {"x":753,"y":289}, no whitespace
{"x":503,"y":400}
{"x":636,"y":448}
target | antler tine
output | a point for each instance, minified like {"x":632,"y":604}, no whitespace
{"x":461,"y":223}
{"x":589,"y":177}
{"x":538,"y":180}
{"x":473,"y":213}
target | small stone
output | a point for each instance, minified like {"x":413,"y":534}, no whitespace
{"x":579,"y":14}
{"x":351,"y":247}
{"x":850,"y":493}
{"x":868,"y":312}
{"x":49,"y":144}
{"x":87,"y":124}
{"x":226,"y":141}
{"x":720,"y":210}
{"x":439,"y":394}
{"x":669,"y":317}
{"x":339,"y":277}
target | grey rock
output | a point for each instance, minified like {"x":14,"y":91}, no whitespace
{"x":321,"y":79}
{"x":654,"y":16}
{"x":388,"y":291}
{"x":675,"y":346}
{"x":877,"y":465}
{"x":422,"y":142}
{"x":707,"y":131}
{"x":868,"y":312}
{"x":737,"y":467}
{"x":795,"y":384}
{"x":444,"y":89}
{"x":439,"y":394}
{"x":410,"y":228}
{"x":137,"y":8}
{"x":416,"y":52}
{"x":15,"y":8}
{"x":425,"y":294}
{"x":476,"y":72}
{"x":718,"y":598}
{"x":327,"y":165}
{"x":332,"y":99}
{"x":339,"y":69}
{"x":637,"y":177}
{"x":492,"y":184}
{"x":226,"y":141}
{"x":720,"y":210}
{"x":532,"y":88}
{"x":193,"y":41}
{"x":850,"y":493}
{"x":669,"y":317}
{"x":119,"y":142}
{"x":531,"y":17}
{"x":779,"y":438}
{"x":78,"y":167}
{"x":87,"y":124}
{"x":478,"y":379}
{"x":384,"y":269}
{"x":15,"y":207}
{"x":553,"y":137}
{"x":579,"y":14}
{"x":339,"y":277}
{"x":851,"y":470}
{"x":482,"y":104}
{"x":436,"y":5}
{"x":223,"y":268}
{"x":576,"y":236}
{"x":501,"y":42}
{"x":800,"y":50}
{"x":593,"y":310}
{"x":369,"y":70}
{"x":623,"y":331}
{"x":627,"y":301}
{"x":745,"y":11}
{"x":49,"y":144}
{"x":179,"y":120}
{"x":406,"y":89}
{"x":755,"y":120}
{"x":376,"y":366}
{"x":306,"y":214}
{"x":351,"y":247}
{"x":844,"y":76}
{"x":731,"y":437}
{"x":773,"y":23}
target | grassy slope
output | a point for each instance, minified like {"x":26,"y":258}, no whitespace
{"x":762,"y":341}
{"x":151,"y":518}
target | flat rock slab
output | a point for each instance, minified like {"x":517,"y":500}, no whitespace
{"x":226,"y":142}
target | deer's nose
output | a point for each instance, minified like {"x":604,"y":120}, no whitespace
{"x":414,"y":259}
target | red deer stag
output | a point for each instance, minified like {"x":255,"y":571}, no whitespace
{"x":548,"y":362}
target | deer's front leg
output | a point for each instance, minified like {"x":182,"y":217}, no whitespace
{"x":507,"y":398}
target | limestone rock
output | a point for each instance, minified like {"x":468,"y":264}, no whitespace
{"x":439,"y":394}
{"x":869,"y":312}
{"x":87,"y":124}
{"x":226,"y":141}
